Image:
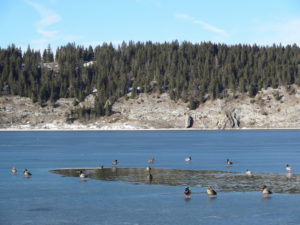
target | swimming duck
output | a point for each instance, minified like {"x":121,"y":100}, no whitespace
{"x":14,"y":170}
{"x":249,"y":173}
{"x":265,"y":191}
{"x":26,"y":173}
{"x":114,"y":163}
{"x":228,"y":162}
{"x":188,"y":159}
{"x":211,"y":191}
{"x":187,"y":191}
{"x":82,"y":174}
{"x":151,"y":160}
{"x":288,"y":168}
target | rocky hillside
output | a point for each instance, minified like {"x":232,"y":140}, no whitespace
{"x":270,"y":109}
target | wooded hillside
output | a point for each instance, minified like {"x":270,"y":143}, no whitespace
{"x":186,"y":71}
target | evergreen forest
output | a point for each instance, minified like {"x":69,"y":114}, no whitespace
{"x":187,"y":71}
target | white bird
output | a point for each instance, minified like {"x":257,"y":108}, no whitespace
{"x":249,"y":172}
{"x":288,"y":168}
{"x":14,"y":170}
{"x":26,"y":173}
{"x":211,"y":191}
{"x":82,"y":174}
{"x":151,"y":160}
{"x":188,"y":159}
{"x":266,"y":192}
{"x":114,"y":163}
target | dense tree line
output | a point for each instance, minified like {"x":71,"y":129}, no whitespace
{"x":186,"y":71}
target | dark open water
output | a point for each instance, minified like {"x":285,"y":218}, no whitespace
{"x":48,"y":198}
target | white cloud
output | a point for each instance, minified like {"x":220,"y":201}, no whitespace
{"x":48,"y":36}
{"x":47,"y":18}
{"x":203,"y":24}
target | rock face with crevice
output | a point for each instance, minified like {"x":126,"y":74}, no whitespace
{"x":233,"y":121}
{"x":269,"y":109}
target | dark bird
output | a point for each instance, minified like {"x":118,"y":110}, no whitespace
{"x":228,"y":162}
{"x":26,"y":173}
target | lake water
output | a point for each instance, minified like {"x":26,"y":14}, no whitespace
{"x":49,"y":198}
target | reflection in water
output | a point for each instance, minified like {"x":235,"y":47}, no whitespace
{"x":266,"y":198}
{"x":289,"y":175}
{"x":150,"y":177}
{"x":187,"y":197}
{"x":223,"y":181}
{"x":114,"y":170}
{"x":83,"y":180}
{"x":211,"y":198}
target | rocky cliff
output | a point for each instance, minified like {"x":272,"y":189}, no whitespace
{"x":269,"y":109}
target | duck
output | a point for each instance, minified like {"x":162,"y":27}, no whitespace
{"x":114,"y":163}
{"x":187,"y":191}
{"x":14,"y":170}
{"x":265,"y":190}
{"x":249,"y":173}
{"x":211,"y":191}
{"x":288,"y":168}
{"x":148,"y":168}
{"x":228,"y":162}
{"x":151,"y":160}
{"x":82,"y":174}
{"x":26,"y":173}
{"x":188,"y":159}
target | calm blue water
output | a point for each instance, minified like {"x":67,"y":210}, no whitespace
{"x":48,"y":198}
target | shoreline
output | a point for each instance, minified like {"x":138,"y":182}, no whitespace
{"x":148,"y":113}
{"x":136,"y":130}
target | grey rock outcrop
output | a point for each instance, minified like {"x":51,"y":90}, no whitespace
{"x":189,"y":122}
{"x":153,"y":111}
{"x":233,"y":120}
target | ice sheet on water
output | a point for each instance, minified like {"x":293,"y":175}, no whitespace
{"x":224,"y":181}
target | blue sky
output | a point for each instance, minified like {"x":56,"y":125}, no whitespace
{"x":91,"y":22}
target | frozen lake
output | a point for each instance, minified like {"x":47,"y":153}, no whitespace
{"x":50,"y":198}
